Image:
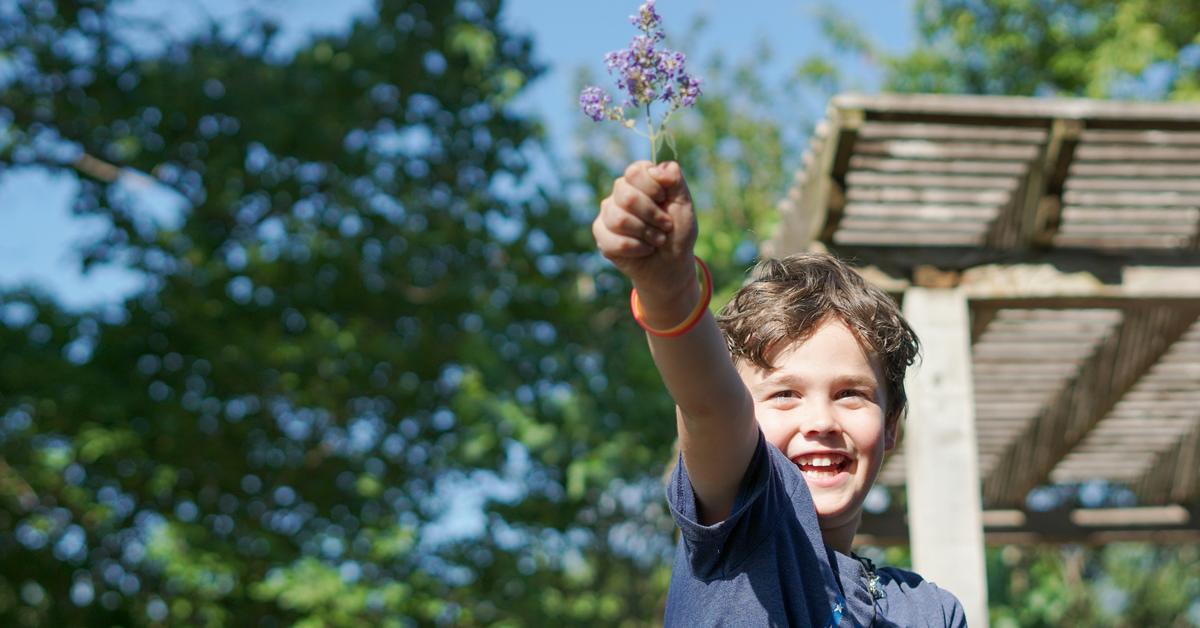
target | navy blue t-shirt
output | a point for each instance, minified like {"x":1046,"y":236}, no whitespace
{"x":767,"y":565}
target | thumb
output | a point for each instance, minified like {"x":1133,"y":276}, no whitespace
{"x":670,"y":176}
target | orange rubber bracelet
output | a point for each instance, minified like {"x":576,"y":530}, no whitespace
{"x":706,"y":290}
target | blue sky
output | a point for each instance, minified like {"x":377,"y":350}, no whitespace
{"x":38,"y":235}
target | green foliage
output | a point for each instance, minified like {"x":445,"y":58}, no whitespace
{"x":363,"y":302}
{"x":1138,"y":49}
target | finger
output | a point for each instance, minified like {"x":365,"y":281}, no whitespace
{"x":634,"y":201}
{"x":622,"y":222}
{"x":617,"y":246}
{"x":670,"y":176}
{"x":638,"y":175}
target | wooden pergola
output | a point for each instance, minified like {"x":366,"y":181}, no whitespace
{"x":1047,"y":251}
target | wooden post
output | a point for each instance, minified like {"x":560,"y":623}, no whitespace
{"x":941,"y":451}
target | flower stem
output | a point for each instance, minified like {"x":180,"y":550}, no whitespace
{"x":653,"y":136}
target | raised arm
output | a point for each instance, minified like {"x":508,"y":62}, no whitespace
{"x":647,"y":228}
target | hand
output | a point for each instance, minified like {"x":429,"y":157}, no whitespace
{"x":647,"y":228}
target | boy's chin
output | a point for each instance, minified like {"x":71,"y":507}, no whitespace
{"x":837,"y":515}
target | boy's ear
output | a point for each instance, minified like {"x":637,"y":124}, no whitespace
{"x":891,"y":434}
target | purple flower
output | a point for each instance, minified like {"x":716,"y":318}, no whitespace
{"x":647,"y":19}
{"x":594,"y":102}
{"x":645,"y":73}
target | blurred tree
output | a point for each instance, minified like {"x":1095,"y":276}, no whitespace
{"x":367,"y":321}
{"x":1138,"y":49}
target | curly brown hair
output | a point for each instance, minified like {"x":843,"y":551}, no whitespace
{"x":787,"y":299}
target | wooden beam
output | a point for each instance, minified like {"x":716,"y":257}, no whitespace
{"x":1144,"y":334}
{"x":944,"y":508}
{"x":1171,"y":523}
{"x":1176,"y":475}
{"x":806,"y":210}
{"x":849,"y":122}
{"x":899,"y":260}
{"x":1023,"y":111}
{"x":1047,"y":208}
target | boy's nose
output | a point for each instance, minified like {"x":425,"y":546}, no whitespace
{"x":818,"y":420}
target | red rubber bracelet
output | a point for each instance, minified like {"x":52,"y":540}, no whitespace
{"x":692,"y":319}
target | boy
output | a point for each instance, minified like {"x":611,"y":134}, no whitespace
{"x":785,"y":405}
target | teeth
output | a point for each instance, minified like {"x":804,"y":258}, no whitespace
{"x":820,"y":461}
{"x":813,"y":473}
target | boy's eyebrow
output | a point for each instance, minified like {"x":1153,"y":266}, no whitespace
{"x":791,"y":379}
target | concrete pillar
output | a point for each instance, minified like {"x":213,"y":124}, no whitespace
{"x":941,"y":451}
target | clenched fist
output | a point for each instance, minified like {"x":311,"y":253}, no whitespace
{"x":647,"y":228}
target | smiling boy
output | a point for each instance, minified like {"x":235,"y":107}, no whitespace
{"x":785,"y":405}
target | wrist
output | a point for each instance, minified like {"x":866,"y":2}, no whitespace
{"x":674,"y":305}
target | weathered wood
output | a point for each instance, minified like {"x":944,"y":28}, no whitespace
{"x":884,"y":164}
{"x":899,"y":259}
{"x":806,"y":210}
{"x":1070,"y":240}
{"x":890,"y":130}
{"x":944,"y":508}
{"x":863,"y":178}
{"x":1044,"y":188}
{"x":1133,"y":184}
{"x":1139,"y":169}
{"x":1145,"y":334}
{"x":921,"y":149}
{"x":923,"y":211}
{"x":909,"y":195}
{"x":1099,"y":229}
{"x":1000,"y":110}
{"x":1127,"y":153}
{"x":1157,"y":137}
{"x":847,"y":137}
{"x":858,"y":223}
{"x":915,"y":239}
{"x":1152,"y":199}
{"x":1174,"y":523}
{"x":1175,"y":474}
{"x":1134,"y":215}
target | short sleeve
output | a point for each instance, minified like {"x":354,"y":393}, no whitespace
{"x":715,"y":549}
{"x":952,"y":610}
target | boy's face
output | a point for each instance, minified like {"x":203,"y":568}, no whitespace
{"x":823,"y":406}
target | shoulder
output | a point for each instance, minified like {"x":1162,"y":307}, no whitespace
{"x":910,"y":594}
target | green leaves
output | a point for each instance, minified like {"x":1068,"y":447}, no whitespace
{"x":1126,"y":50}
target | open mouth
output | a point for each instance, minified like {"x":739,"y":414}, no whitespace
{"x":818,"y":466}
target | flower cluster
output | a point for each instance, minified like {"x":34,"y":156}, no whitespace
{"x":647,"y":73}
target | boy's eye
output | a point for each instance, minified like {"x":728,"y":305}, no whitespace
{"x":783,"y":394}
{"x":851,"y":393}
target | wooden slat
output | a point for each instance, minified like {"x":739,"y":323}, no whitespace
{"x":1120,"y":361}
{"x":1098,"y":229}
{"x":892,"y":130}
{"x":862,"y":178}
{"x":907,"y":226}
{"x":1040,"y":111}
{"x":1136,"y":169}
{"x":923,"y":211}
{"x":1175,"y":474}
{"x":919,"y":149}
{"x":916,"y":239}
{"x":1130,"y":152}
{"x":1138,"y":215}
{"x":1122,"y":242}
{"x":916,"y":195}
{"x":867,"y":163}
{"x":1160,"y":199}
{"x":1133,"y":184}
{"x":1160,"y":138}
